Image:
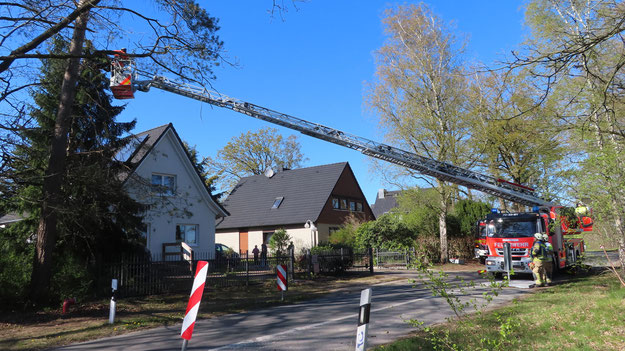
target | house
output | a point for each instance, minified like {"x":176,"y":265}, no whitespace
{"x":180,"y":208}
{"x":322,"y":196}
{"x":385,"y":201}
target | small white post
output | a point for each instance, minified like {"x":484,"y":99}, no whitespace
{"x":113,"y":303}
{"x":363,"y":320}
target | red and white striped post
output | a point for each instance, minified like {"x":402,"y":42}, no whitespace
{"x":282,"y":281}
{"x":194,"y":303}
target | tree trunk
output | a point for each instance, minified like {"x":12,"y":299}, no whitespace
{"x":51,"y":191}
{"x":442,"y":228}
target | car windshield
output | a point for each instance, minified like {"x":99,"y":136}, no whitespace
{"x":510,"y":228}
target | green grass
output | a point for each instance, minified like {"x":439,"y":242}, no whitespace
{"x":584,"y":314}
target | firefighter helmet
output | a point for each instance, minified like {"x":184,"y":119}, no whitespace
{"x":538,"y":236}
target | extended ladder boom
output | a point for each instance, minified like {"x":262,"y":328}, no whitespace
{"x":439,"y":170}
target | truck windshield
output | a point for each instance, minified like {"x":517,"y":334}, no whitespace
{"x":510,"y":228}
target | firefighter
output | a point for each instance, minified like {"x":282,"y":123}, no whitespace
{"x":581,"y":210}
{"x":539,"y":257}
{"x":549,"y":263}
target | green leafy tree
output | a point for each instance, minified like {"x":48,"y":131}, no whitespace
{"x":576,"y":51}
{"x":279,"y":242}
{"x":95,"y":216}
{"x":421,"y":96}
{"x":387,"y":232}
{"x":252,"y":153}
{"x":515,"y":138}
{"x":467,"y":213}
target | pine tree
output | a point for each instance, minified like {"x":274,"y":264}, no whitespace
{"x":96,"y":217}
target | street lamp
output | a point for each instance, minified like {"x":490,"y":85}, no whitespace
{"x":313,"y":229}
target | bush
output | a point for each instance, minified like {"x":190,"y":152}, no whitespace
{"x":279,"y":242}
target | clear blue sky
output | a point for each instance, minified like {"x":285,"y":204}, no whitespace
{"x":312,"y":65}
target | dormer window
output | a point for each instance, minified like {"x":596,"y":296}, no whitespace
{"x":277,"y":202}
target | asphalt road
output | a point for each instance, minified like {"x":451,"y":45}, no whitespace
{"x":328,"y":323}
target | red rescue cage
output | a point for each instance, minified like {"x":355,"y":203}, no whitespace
{"x":121,"y":75}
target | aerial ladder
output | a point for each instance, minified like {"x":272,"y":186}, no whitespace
{"x":125,"y":81}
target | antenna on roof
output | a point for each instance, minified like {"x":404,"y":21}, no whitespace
{"x":269,"y":172}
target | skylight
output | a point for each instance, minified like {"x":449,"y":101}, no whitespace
{"x":277,"y":202}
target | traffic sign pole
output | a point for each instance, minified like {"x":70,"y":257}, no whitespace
{"x":363,"y":320}
{"x":507,"y":258}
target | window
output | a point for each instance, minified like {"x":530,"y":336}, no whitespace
{"x":164,"y":184}
{"x":267,"y":237}
{"x":333,"y":229}
{"x":277,"y":202}
{"x":343,"y":204}
{"x":187,"y":233}
{"x":359,"y":206}
{"x":335,"y":203}
{"x":352,"y":206}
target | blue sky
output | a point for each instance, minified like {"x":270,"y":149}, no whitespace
{"x":312,"y":64}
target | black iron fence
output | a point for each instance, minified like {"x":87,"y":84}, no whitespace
{"x":140,"y":276}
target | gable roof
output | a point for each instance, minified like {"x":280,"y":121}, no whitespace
{"x":139,"y":147}
{"x":385,"y":201}
{"x":143,"y":143}
{"x":304,"y":191}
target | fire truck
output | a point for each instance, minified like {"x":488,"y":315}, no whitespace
{"x":518,"y":229}
{"x":560,"y":223}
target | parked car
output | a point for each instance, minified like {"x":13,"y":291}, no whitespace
{"x":226,"y":257}
{"x":222,"y":250}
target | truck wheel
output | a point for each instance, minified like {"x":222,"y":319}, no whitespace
{"x":482,"y":260}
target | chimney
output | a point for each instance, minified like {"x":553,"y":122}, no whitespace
{"x":381,"y":193}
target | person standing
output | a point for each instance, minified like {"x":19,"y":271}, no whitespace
{"x":255,"y":252}
{"x":539,"y":257}
{"x":549,"y":262}
{"x":263,"y":254}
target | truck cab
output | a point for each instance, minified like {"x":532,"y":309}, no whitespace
{"x":518,"y":230}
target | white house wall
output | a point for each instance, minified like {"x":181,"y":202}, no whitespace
{"x":187,"y":206}
{"x":301,"y":237}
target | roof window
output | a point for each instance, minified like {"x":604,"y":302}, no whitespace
{"x":277,"y":202}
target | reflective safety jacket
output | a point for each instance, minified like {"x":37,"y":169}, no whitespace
{"x":540,"y":251}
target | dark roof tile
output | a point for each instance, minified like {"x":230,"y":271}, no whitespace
{"x":305,"y":192}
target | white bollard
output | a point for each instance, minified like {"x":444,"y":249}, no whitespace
{"x":113,"y":303}
{"x":363,"y":320}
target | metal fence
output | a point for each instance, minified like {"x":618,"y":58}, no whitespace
{"x":393,"y":259}
{"x":140,"y":276}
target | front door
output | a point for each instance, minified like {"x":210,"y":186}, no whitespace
{"x":243,"y":240}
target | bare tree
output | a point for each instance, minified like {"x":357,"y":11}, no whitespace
{"x":421,"y":96}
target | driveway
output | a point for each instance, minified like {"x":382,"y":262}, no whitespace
{"x":327,"y":323}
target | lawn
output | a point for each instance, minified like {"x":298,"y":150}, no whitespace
{"x":586,"y":313}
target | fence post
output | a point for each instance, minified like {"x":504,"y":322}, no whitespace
{"x":406,"y":258}
{"x":292,"y":251}
{"x":247,"y":268}
{"x":370,"y":260}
